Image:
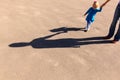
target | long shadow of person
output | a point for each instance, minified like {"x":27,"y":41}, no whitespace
{"x":44,"y":42}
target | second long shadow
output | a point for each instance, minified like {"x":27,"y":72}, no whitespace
{"x":44,"y":42}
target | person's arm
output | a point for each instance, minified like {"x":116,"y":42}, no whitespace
{"x":104,"y":3}
{"x":87,"y":11}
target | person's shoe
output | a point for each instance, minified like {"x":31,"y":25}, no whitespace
{"x":85,"y":30}
{"x":107,"y":37}
{"x":114,"y":41}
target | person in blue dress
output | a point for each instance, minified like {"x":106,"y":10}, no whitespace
{"x":91,"y":13}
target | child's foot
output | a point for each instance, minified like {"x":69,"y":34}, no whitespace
{"x":85,"y":30}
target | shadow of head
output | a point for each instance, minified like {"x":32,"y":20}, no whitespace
{"x":21,"y":44}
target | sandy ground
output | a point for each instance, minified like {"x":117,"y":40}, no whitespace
{"x":40,"y":40}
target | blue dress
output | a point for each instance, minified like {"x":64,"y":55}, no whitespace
{"x":91,"y":14}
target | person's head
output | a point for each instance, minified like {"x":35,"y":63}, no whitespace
{"x":96,"y":4}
